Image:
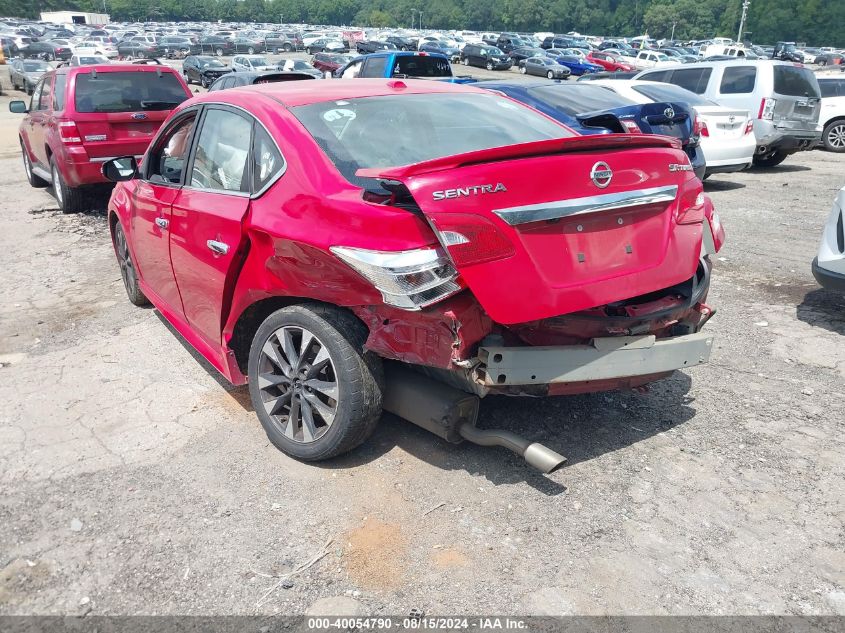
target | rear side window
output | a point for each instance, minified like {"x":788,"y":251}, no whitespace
{"x":128,"y":92}
{"x":738,"y":80}
{"x":660,"y":75}
{"x":832,"y":87}
{"x":374,"y":67}
{"x":795,"y":81}
{"x":671,"y":92}
{"x":221,"y":156}
{"x":59,"y":92}
{"x":267,"y":162}
{"x":577,"y":99}
{"x":417,"y":66}
{"x":693,"y":79}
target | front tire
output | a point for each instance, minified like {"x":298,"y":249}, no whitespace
{"x":187,"y":78}
{"x":203,"y":82}
{"x":250,"y":51}
{"x":523,"y":70}
{"x":127,"y":268}
{"x":317,"y":393}
{"x":489,"y":65}
{"x":219,"y":52}
{"x":550,"y":75}
{"x":287,"y":48}
{"x":309,"y":51}
{"x":773,"y":159}
{"x":69,"y":199}
{"x":834,"y":136}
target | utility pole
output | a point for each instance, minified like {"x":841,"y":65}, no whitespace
{"x":745,"y":5}
{"x":673,"y":31}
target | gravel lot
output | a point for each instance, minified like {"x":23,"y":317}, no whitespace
{"x":132,"y":481}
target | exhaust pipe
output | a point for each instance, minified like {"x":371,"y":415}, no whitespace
{"x":540,"y":457}
{"x":452,"y":414}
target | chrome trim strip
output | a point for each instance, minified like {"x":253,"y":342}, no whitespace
{"x":103,"y":159}
{"x":590,"y":204}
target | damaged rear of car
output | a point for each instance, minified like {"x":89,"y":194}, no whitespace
{"x":413,"y":246}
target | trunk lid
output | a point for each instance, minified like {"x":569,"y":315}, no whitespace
{"x":561,"y":238}
{"x":118,"y":133}
{"x":723,"y":123}
{"x":798,"y":97}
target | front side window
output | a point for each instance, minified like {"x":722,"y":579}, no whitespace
{"x":222,"y":152}
{"x":36,"y":96}
{"x":46,"y":100}
{"x":169,"y":157}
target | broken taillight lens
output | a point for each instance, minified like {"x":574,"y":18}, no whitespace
{"x":749,"y":128}
{"x":700,"y":127}
{"x":767,"y":109}
{"x":691,"y":207}
{"x":410,"y":280}
{"x":471,"y":239}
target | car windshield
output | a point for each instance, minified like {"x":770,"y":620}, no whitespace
{"x":211,"y":63}
{"x":390,"y":131}
{"x":795,"y":81}
{"x":257,"y":61}
{"x":671,"y":92}
{"x":577,"y":98}
{"x":128,"y":91}
{"x":35,"y":67}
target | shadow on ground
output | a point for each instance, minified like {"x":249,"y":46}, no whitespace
{"x":823,"y":309}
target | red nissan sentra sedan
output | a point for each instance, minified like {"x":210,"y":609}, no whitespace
{"x":353,"y":247}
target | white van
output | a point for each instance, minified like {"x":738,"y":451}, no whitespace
{"x":783,"y":99}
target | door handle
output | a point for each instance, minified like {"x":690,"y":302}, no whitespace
{"x":220,"y":248}
{"x":162,"y":223}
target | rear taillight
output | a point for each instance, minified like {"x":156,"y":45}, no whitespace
{"x":717,"y":231}
{"x":69,"y":133}
{"x":691,"y":206}
{"x":767,"y":109}
{"x":471,"y":239}
{"x":631,"y":126}
{"x":700,"y":127}
{"x":749,"y":127}
{"x":410,"y":280}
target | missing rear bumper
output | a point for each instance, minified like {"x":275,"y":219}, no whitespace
{"x":606,"y":359}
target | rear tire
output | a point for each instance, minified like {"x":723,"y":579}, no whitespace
{"x":69,"y":199}
{"x":523,"y":70}
{"x":834,"y":136}
{"x":772,"y":159}
{"x":330,"y":402}
{"x":287,"y":48}
{"x":250,"y":51}
{"x":465,"y":61}
{"x":309,"y":50}
{"x":127,"y":268}
{"x":34,"y":181}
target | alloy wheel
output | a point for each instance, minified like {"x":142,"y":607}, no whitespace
{"x":127,"y":269}
{"x":298,"y":384}
{"x":836,"y":136}
{"x":27,"y":166}
{"x":57,"y":186}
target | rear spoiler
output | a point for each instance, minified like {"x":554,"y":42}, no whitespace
{"x":522,"y":150}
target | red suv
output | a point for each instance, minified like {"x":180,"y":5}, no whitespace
{"x":319,"y":239}
{"x":80,"y":117}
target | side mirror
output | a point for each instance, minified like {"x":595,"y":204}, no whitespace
{"x":120,"y":169}
{"x":18,"y":107}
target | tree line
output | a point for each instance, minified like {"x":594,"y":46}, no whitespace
{"x":817,"y":22}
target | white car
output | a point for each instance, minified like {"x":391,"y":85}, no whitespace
{"x":832,"y":115}
{"x":251,"y":63}
{"x":652,"y":59}
{"x":829,"y":265}
{"x":727,"y":134}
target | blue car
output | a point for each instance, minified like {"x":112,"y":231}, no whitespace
{"x":400,"y":64}
{"x":576,"y":65}
{"x":591,"y":109}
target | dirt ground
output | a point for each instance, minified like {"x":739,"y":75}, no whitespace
{"x":133,"y":481}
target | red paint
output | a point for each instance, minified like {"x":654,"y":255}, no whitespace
{"x":59,"y":131}
{"x":279,"y":242}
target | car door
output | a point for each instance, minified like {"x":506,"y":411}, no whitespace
{"x":40,"y":119}
{"x":150,"y":215}
{"x":206,"y":236}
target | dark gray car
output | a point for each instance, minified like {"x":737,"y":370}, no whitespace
{"x":25,"y":73}
{"x":543,"y":67}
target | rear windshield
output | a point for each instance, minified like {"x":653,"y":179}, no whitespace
{"x":392,"y":131}
{"x":128,"y":92}
{"x":418,"y":66}
{"x":795,"y":81}
{"x":576,"y":99}
{"x":670,"y":92}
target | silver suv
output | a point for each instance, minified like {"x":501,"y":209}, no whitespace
{"x":782,"y":99}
